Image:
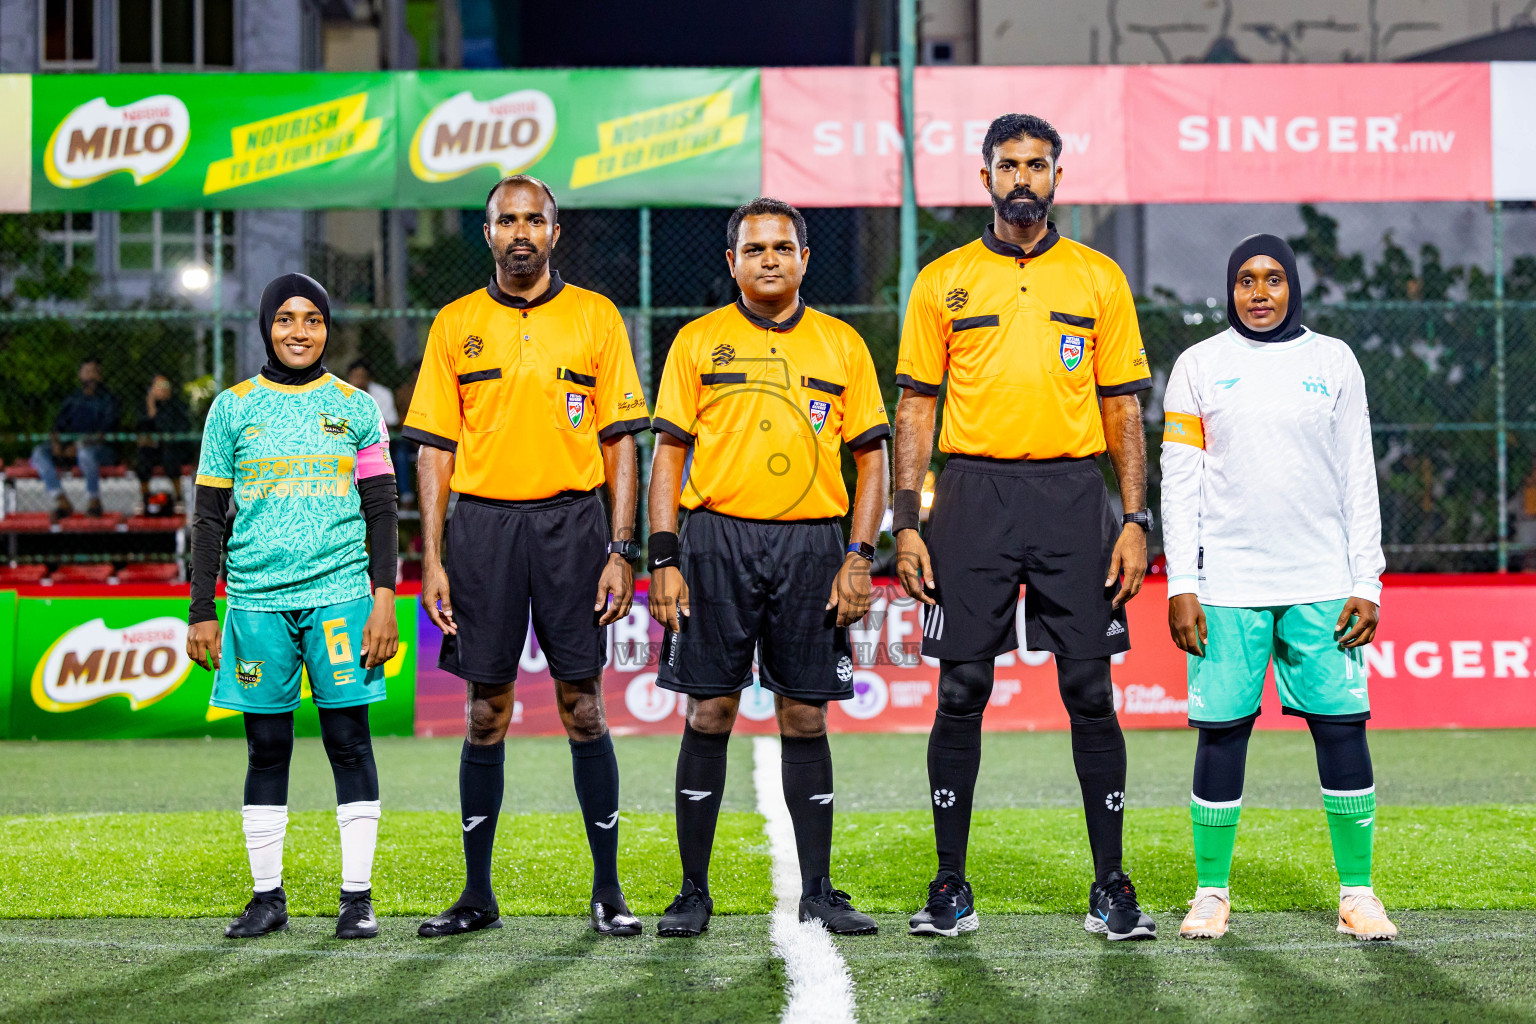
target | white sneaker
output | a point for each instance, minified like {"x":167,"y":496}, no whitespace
{"x":1362,"y":915}
{"x":1208,"y":915}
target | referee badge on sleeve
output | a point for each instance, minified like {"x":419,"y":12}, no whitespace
{"x":575,"y":407}
{"x":1071,"y":351}
{"x":819,"y":410}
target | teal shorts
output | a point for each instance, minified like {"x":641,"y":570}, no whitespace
{"x":1316,"y":679}
{"x":265,"y":655}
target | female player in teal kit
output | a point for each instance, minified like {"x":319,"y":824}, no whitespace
{"x":304,"y":459}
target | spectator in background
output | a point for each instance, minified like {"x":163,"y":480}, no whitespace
{"x":87,"y":414}
{"x":163,"y":414}
{"x":360,"y":376}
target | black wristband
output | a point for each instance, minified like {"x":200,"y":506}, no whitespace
{"x":906,"y":511}
{"x":664,"y":551}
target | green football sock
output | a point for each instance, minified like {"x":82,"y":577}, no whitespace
{"x":1352,"y":827}
{"x":1215,"y":833}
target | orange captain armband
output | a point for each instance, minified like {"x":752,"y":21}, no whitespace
{"x":1183,"y":428}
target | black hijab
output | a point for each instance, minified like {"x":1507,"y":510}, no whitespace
{"x":278,"y":292}
{"x":1275,"y":248}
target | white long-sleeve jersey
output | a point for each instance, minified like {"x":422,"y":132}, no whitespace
{"x":1269,"y":481}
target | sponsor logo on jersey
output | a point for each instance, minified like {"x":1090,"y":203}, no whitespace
{"x":509,"y":132}
{"x":819,"y":410}
{"x":957,"y":299}
{"x":298,"y":476}
{"x":1071,"y":351}
{"x":575,"y":407}
{"x":1315,"y":385}
{"x":248,"y":673}
{"x":144,"y":662}
{"x":722,"y":355}
{"x":144,"y":138}
{"x":473,"y":346}
{"x":254,"y":430}
{"x":1226,"y":385}
{"x":333,"y":425}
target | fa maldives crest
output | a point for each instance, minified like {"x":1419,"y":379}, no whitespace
{"x":819,"y":410}
{"x":1071,"y":351}
{"x":575,"y":407}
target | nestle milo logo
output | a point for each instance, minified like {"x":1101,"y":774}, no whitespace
{"x":92,"y":662}
{"x":144,"y":138}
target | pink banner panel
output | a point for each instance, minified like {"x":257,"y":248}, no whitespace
{"x":953,"y":106}
{"x":831,"y":136}
{"x":1305,"y":133}
{"x":1450,"y":653}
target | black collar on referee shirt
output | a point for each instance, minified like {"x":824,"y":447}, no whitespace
{"x":516,"y":302}
{"x":762,"y":323}
{"x":1014,"y":252}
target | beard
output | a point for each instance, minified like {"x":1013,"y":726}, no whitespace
{"x":522,"y":265}
{"x":1028,"y":211}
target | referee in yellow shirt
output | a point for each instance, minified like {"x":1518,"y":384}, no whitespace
{"x":1038,"y":338}
{"x":756,"y":403}
{"x":527,"y":402}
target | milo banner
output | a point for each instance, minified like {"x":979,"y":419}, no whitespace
{"x":117,"y":668}
{"x":602,"y":138}
{"x":136,"y":142}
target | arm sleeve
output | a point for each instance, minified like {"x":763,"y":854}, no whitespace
{"x":210,"y":512}
{"x":864,"y":417}
{"x":1182,"y":462}
{"x":677,"y":401}
{"x":435,"y":414}
{"x":1362,"y":507}
{"x":924,"y":353}
{"x":620,"y":402}
{"x":1119,"y":360}
{"x":381,"y":517}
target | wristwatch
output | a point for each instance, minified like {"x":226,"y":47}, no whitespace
{"x":864,"y":551}
{"x":629,"y":550}
{"x":1142,"y":519}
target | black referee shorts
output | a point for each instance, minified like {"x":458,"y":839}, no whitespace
{"x":759,"y":586}
{"x":501,"y":556}
{"x":1046,"y":524}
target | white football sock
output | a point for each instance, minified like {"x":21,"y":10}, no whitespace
{"x":1213,"y":890}
{"x":265,"y":826}
{"x":1346,"y":891}
{"x":359,"y":825}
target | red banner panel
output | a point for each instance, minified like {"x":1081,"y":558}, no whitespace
{"x":1301,"y":133}
{"x":831,"y":136}
{"x":1447,"y":655}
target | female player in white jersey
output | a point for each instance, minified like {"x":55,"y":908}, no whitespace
{"x":1272,"y":532}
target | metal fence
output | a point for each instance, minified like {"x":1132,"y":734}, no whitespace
{"x":1450,"y":366}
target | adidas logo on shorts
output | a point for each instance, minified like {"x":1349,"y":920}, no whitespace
{"x":1115,"y":629}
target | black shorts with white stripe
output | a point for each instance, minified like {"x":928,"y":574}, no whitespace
{"x":1045,"y":524}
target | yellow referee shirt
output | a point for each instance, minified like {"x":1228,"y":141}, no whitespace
{"x":766,"y":407}
{"x":523,"y":391}
{"x":1029,"y":342}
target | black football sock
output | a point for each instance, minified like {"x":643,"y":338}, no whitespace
{"x":481,"y":777}
{"x":597,"y":790}
{"x":954,"y":756}
{"x":806,"y":766}
{"x":700,"y":783}
{"x":1098,"y":754}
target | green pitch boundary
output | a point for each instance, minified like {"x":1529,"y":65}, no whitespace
{"x":192,"y":864}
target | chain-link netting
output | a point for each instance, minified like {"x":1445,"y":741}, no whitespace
{"x":1449,"y":365}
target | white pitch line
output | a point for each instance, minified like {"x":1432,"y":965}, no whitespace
{"x":820,"y":987}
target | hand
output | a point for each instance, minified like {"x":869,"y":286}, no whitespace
{"x":1130,"y":559}
{"x":617,"y":582}
{"x":205,"y":643}
{"x":1366,"y":615}
{"x":434,"y":597}
{"x":851,"y":592}
{"x":913,"y":567}
{"x":1186,"y":624}
{"x":381,"y":635}
{"x":668,"y":599}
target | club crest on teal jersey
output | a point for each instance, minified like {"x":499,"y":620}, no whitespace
{"x":333,"y":425}
{"x":575,"y":407}
{"x":819,"y":410}
{"x":1071,"y":351}
{"x":248,"y":673}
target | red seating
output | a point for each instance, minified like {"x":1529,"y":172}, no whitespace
{"x":91,"y":524}
{"x":21,"y":575}
{"x":21,"y":469}
{"x":155,"y":524}
{"x":149,"y":572}
{"x":26,"y":522}
{"x":92,"y":572}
